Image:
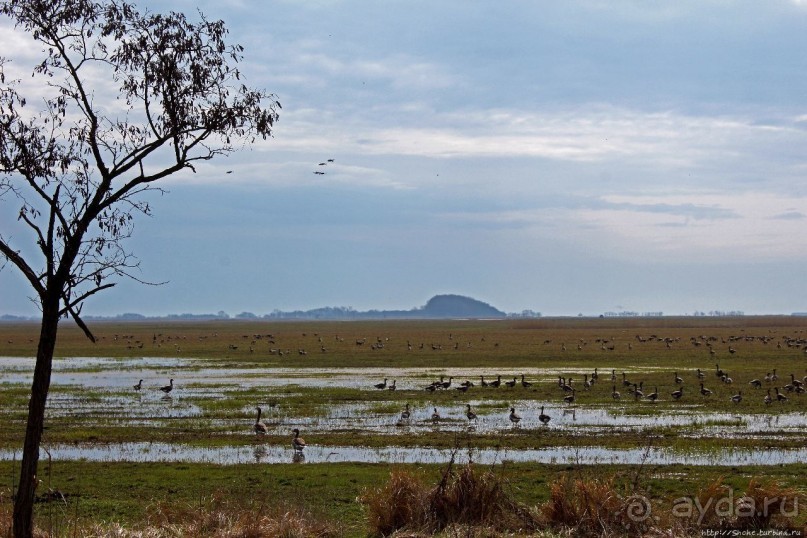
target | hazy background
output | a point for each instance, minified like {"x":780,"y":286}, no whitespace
{"x":566,"y":157}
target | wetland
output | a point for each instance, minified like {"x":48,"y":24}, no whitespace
{"x":324,"y":379}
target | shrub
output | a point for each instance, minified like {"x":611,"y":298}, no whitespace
{"x":464,"y":499}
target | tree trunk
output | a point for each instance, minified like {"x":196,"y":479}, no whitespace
{"x":24,"y":503}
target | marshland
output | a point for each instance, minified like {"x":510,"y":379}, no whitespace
{"x":118,"y":451}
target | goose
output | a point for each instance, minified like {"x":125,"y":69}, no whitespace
{"x":468,"y":413}
{"x":779,"y":396}
{"x":637,"y":392}
{"x":795,"y":382}
{"x":768,"y":377}
{"x":139,"y":385}
{"x":525,"y":384}
{"x":678,"y":379}
{"x":463,"y":388}
{"x":700,"y":374}
{"x":168,"y":388}
{"x":613,"y":375}
{"x":756,"y":383}
{"x":260,"y":427}
{"x":514,"y":418}
{"x":570,"y":398}
{"x":653,"y":396}
{"x":495,"y":384}
{"x":482,"y":381}
{"x":435,"y":416}
{"x":298,"y":442}
{"x":405,"y":414}
{"x":543,"y":417}
{"x":737,"y":398}
{"x":615,"y":394}
{"x":625,"y":381}
{"x":595,"y":376}
{"x":676,"y":394}
{"x":447,"y":384}
{"x":586,"y":383}
{"x":381,"y":386}
{"x":718,"y":371}
{"x":768,"y":398}
{"x":567,"y":387}
{"x":512,"y":383}
{"x":774,"y":377}
{"x":705,"y":391}
{"x":392,"y":387}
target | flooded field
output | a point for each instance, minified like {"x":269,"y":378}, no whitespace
{"x":98,"y":392}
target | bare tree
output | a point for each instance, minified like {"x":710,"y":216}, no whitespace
{"x":76,"y":162}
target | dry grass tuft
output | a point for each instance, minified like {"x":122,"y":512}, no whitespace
{"x":473,"y":501}
{"x":766,"y":505}
{"x":594,"y":507}
{"x":216,"y":518}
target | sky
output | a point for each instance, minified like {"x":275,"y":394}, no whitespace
{"x":573,"y":157}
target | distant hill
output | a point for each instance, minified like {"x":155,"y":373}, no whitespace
{"x":457,"y":306}
{"x":438,"y":307}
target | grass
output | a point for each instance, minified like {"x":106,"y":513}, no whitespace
{"x":221,"y":413}
{"x":136,"y":497}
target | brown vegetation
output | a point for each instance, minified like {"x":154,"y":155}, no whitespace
{"x":466,"y":498}
{"x":212,"y":518}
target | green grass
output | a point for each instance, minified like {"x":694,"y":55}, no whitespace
{"x":544,"y":349}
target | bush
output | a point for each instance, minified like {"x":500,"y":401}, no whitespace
{"x":467,"y":499}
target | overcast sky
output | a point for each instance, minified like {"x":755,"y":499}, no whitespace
{"x":566,"y":157}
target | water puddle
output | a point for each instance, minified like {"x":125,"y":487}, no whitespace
{"x":273,"y":454}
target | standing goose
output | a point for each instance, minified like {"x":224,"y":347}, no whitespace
{"x":756,"y":383}
{"x":768,"y":398}
{"x":615,"y":393}
{"x":570,"y":398}
{"x":168,"y":388}
{"x":543,"y":417}
{"x":405,"y":414}
{"x":678,"y":379}
{"x":495,"y":384}
{"x":567,"y":387}
{"x":260,"y":427}
{"x":139,"y":385}
{"x":435,"y":416}
{"x":779,"y":396}
{"x":705,"y":391}
{"x":392,"y":387}
{"x":737,"y":398}
{"x":468,"y":413}
{"x":653,"y":396}
{"x":525,"y":384}
{"x":381,"y":386}
{"x":676,"y":394}
{"x":514,"y":418}
{"x":298,"y":442}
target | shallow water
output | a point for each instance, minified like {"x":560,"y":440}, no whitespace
{"x":108,"y":396}
{"x":272,"y":454}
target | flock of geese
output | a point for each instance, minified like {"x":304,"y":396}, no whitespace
{"x":567,"y":386}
